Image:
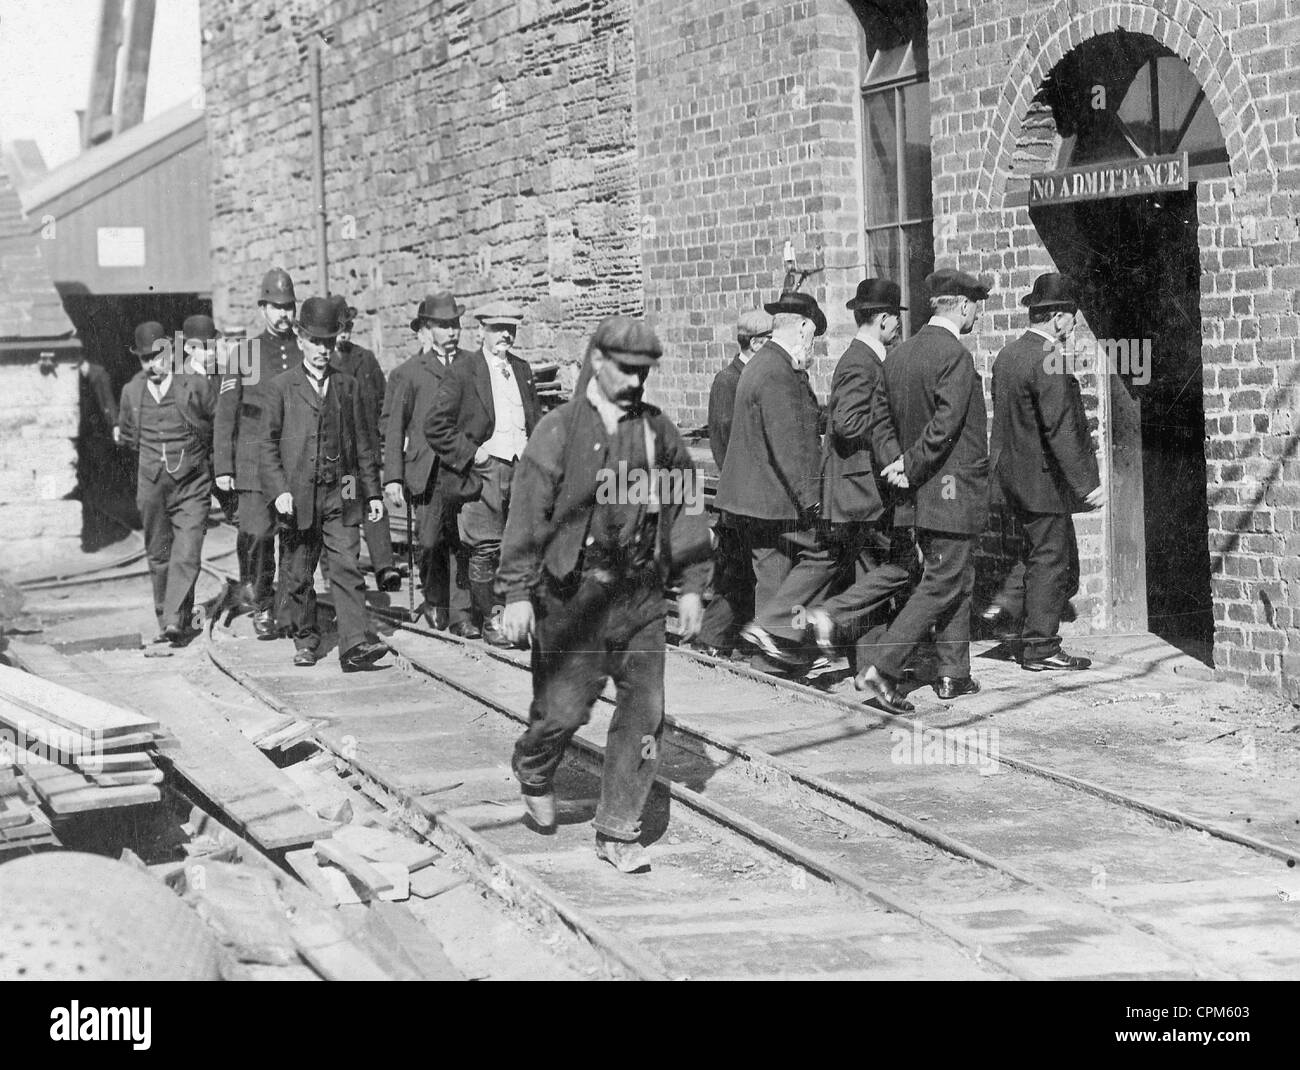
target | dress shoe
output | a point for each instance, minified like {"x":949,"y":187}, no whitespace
{"x":388,"y":579}
{"x":305,"y":658}
{"x":823,"y":629}
{"x":362,"y":657}
{"x":541,"y":808}
{"x":624,"y":857}
{"x":881,"y":691}
{"x":492,"y":634}
{"x":772,"y":648}
{"x":264,"y":625}
{"x":1059,"y":660}
{"x":434,"y":616}
{"x":950,"y":687}
{"x":465,"y":629}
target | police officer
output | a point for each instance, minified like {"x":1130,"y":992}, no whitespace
{"x":481,"y":419}
{"x":733,"y":577}
{"x":1044,"y":459}
{"x":239,"y":428}
{"x":318,"y":464}
{"x":410,"y":463}
{"x":937,"y":405}
{"x":360,"y":363}
{"x":585,"y":573}
{"x":166,"y":418}
{"x":771,"y":479}
{"x":857,"y":505}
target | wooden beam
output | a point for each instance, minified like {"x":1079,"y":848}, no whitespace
{"x":103,"y":75}
{"x":135,"y":78}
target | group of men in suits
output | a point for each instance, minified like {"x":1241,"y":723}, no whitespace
{"x":835,"y":507}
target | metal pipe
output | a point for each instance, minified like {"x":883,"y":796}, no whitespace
{"x":318,"y":167}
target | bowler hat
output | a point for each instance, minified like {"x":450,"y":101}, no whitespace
{"x":949,"y":282}
{"x":439,"y":306}
{"x":754,"y":323}
{"x":876,"y":295}
{"x":277,"y":288}
{"x":319,"y":318}
{"x":627,"y":340}
{"x":347,"y":313}
{"x":1051,"y":290}
{"x":147,"y":337}
{"x":499,"y":312}
{"x":799,"y":304}
{"x":199,"y":328}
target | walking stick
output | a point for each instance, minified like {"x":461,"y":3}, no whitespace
{"x":410,"y":563}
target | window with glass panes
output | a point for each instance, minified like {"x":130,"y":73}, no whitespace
{"x":896,"y":121}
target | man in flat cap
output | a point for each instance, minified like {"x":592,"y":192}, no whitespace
{"x":584,"y":571}
{"x":1044,"y":459}
{"x":480,"y":422}
{"x":857,"y":502}
{"x":771,"y":480}
{"x":319,"y":465}
{"x":166,"y":418}
{"x":411,"y":465}
{"x":237,"y":454}
{"x":733,"y":575}
{"x":361,"y":364}
{"x":937,"y":404}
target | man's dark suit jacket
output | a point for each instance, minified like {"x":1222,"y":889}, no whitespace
{"x":1042,"y":452}
{"x":860,"y":440}
{"x":773,"y":465}
{"x":289,"y":444}
{"x":722,"y":406}
{"x":241,"y":404}
{"x":196,"y":402}
{"x":937,"y":404}
{"x":412,"y":388}
{"x":463,"y":418}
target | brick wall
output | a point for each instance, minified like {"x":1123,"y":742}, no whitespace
{"x":484,"y":145}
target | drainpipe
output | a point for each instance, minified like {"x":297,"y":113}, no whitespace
{"x":318,"y":167}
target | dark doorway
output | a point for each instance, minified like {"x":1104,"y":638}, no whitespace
{"x":1137,"y":265}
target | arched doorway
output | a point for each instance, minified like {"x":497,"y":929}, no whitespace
{"x":1125,"y":107}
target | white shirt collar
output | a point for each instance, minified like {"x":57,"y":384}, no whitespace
{"x":1037,"y":328}
{"x":159,"y":390}
{"x":610,"y":414}
{"x":946,"y":324}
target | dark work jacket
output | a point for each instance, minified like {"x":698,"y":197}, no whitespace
{"x":773,"y":465}
{"x":937,"y":404}
{"x":412,"y":388}
{"x":1041,"y":452}
{"x":722,"y":406}
{"x":362,"y":365}
{"x":195,"y":402}
{"x":860,"y":440}
{"x":553,"y":497}
{"x":240,"y":406}
{"x":463,"y":418}
{"x":290,"y":454}
{"x":98,"y":407}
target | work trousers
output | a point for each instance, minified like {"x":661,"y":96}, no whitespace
{"x":440,"y":549}
{"x":295,"y":601}
{"x":793,"y":569}
{"x":880,"y":560}
{"x":733,"y":586}
{"x":587,"y":632}
{"x":175,"y":518}
{"x":482,"y":525}
{"x":942,"y":600}
{"x":379,"y":542}
{"x":257,"y":525}
{"x":1041,"y":583}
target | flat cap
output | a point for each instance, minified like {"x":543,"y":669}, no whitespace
{"x":499,"y":312}
{"x":628,"y":340}
{"x":753,"y":323}
{"x":799,"y":304}
{"x":949,"y":282}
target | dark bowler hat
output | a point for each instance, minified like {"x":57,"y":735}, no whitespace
{"x":346,"y":312}
{"x":277,"y":288}
{"x":319,"y":319}
{"x":799,"y":304}
{"x":628,"y":340}
{"x":147,"y":337}
{"x":439,"y":306}
{"x":949,"y":282}
{"x":199,"y":328}
{"x":1052,"y":290}
{"x":876,"y":295}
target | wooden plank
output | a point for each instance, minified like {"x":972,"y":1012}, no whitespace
{"x":95,"y":798}
{"x":303,"y":863}
{"x":126,"y":762}
{"x":380,"y":845}
{"x":419,"y":943}
{"x":72,"y":709}
{"x":352,"y":863}
{"x":322,"y":941}
{"x":242,"y":904}
{"x":13,"y":811}
{"x":134,"y":776}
